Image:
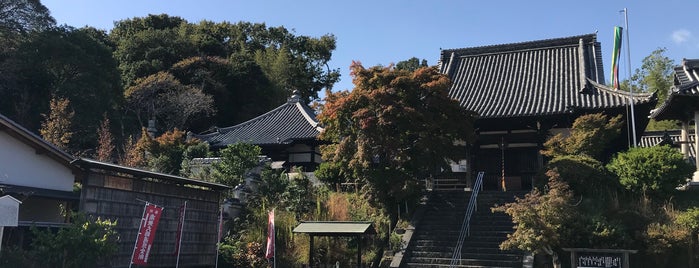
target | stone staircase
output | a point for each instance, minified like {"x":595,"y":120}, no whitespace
{"x":436,"y":235}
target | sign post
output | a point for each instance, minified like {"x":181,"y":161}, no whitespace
{"x":9,"y":208}
{"x":599,"y":258}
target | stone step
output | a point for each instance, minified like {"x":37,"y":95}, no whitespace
{"x":468,"y":255}
{"x":465,"y":249}
{"x":494,"y":245}
{"x":436,"y":236}
{"x":437,"y":265}
{"x":463,"y":261}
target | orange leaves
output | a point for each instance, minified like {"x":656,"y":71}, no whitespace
{"x":56,"y":127}
{"x":394,"y":121}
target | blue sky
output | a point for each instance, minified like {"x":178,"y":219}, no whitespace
{"x":384,"y":32}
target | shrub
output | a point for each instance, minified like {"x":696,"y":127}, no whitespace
{"x":591,"y":134}
{"x":653,"y":170}
{"x":83,"y":243}
{"x":584,"y":174}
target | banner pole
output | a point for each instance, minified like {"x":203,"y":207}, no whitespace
{"x":218,"y":237}
{"x":628,"y":58}
{"x":138,"y":234}
{"x":275,"y":241}
{"x":179,"y":245}
{"x":2,"y":229}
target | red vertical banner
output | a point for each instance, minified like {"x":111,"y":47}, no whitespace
{"x":270,"y":236}
{"x":146,"y":232}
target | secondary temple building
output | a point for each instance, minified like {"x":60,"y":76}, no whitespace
{"x":288,"y":135}
{"x":526,"y":92}
{"x":682,"y":104}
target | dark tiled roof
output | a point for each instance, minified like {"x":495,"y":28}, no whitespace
{"x":653,"y":138}
{"x":683,"y":99}
{"x":140,"y":173}
{"x":546,"y":77}
{"x":283,"y":125}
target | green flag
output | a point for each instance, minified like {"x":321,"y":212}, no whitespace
{"x":615,"y":56}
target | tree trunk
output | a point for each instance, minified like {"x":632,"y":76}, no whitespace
{"x":554,"y":257}
{"x":556,"y":261}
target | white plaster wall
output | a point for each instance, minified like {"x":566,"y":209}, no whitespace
{"x":21,"y":165}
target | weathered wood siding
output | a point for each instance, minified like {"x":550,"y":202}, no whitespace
{"x":122,"y":199}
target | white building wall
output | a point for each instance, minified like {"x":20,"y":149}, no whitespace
{"x":21,"y":165}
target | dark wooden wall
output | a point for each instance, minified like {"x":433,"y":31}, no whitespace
{"x":122,"y":199}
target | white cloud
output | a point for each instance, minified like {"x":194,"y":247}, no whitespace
{"x":680,"y":36}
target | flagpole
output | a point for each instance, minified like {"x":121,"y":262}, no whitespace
{"x":628,"y":58}
{"x":133,"y":252}
{"x":179,"y":243}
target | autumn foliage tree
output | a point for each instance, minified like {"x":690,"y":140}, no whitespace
{"x":56,"y":127}
{"x":105,"y":141}
{"x":135,"y":150}
{"x":540,"y":218}
{"x":395,"y":128}
{"x":166,"y":152}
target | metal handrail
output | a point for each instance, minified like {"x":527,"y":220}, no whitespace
{"x":466,"y":225}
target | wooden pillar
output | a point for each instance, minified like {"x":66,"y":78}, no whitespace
{"x":359,"y":251}
{"x":684,"y":139}
{"x":310,"y":253}
{"x":573,"y":259}
{"x":695,"y":178}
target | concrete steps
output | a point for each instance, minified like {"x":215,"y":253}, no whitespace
{"x":436,"y":236}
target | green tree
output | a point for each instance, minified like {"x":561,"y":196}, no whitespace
{"x":655,"y":75}
{"x":540,"y":219}
{"x":166,"y":152}
{"x":591,"y":135}
{"x":586,"y":175}
{"x":395,"y":128}
{"x":22,"y":16}
{"x":196,"y":150}
{"x":68,"y":63}
{"x":148,"y":45}
{"x":56,"y":127}
{"x":85,"y":242}
{"x":236,"y":159}
{"x":656,"y":170}
{"x":411,"y":64}
{"x":689,"y":219}
{"x":239,"y":87}
{"x":155,"y":43}
{"x":18,"y":18}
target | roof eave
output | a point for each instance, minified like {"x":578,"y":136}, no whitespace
{"x":35,"y":141}
{"x":89,"y":163}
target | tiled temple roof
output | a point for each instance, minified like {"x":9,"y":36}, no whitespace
{"x":546,"y":77}
{"x":283,"y":125}
{"x":683,"y":98}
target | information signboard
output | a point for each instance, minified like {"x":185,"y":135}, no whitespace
{"x":599,"y":260}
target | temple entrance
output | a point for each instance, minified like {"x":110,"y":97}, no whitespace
{"x":518,"y":166}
